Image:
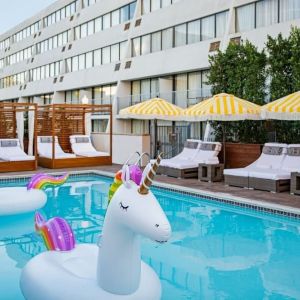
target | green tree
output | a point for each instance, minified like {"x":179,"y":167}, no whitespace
{"x":240,"y":70}
{"x":284,"y":74}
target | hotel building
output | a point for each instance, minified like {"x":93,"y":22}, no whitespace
{"x":121,"y":52}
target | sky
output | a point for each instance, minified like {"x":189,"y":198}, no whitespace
{"x":13,"y":12}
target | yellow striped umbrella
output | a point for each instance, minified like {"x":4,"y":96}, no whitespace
{"x":286,"y":108}
{"x":153,"y":109}
{"x":223,"y":107}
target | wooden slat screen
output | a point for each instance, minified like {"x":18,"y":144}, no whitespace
{"x":69,"y":119}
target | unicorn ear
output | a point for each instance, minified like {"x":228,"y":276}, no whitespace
{"x":126,"y":175}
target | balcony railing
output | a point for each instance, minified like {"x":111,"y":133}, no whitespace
{"x":183,"y":99}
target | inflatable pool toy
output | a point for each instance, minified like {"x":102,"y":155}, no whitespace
{"x":43,"y":181}
{"x":135,"y":174}
{"x":56,"y":233}
{"x":115,"y":185}
{"x":19,"y":200}
{"x":113,"y":269}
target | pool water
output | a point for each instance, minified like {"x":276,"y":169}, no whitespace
{"x":217,"y":251}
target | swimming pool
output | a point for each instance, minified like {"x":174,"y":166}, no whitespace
{"x":217,"y":251}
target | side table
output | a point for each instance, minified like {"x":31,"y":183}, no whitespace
{"x":295,"y":183}
{"x":210,"y":173}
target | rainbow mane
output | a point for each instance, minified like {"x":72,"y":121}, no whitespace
{"x":56,"y":233}
{"x":43,"y":181}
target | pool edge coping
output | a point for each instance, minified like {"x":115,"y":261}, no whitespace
{"x":247,"y":202}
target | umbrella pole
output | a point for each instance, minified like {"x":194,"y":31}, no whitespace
{"x":155,"y":138}
{"x":224,"y":143}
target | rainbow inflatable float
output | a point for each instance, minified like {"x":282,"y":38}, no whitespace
{"x":44,"y":181}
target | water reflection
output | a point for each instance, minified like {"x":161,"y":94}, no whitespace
{"x":215,"y":252}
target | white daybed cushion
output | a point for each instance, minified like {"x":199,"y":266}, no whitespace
{"x":181,"y":164}
{"x":204,"y":155}
{"x":45,"y":148}
{"x":291,"y":162}
{"x":10,"y":150}
{"x":270,"y":174}
{"x":265,"y":161}
{"x":84,"y":147}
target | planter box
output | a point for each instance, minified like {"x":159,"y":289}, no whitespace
{"x":240,"y":155}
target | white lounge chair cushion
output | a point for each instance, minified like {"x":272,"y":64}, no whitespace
{"x":12,"y":151}
{"x":270,"y":174}
{"x":241,"y":172}
{"x":291,"y":162}
{"x":82,"y":146}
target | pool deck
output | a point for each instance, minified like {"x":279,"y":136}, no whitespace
{"x":283,"y":199}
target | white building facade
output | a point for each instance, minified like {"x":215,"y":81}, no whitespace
{"x":122,"y":52}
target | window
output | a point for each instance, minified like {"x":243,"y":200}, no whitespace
{"x":115,"y":17}
{"x":106,"y":21}
{"x":167,"y":38}
{"x":145,"y":7}
{"x":146,"y":44}
{"x":155,"y":5}
{"x":124,"y":13}
{"x":266,"y":12}
{"x":156,"y":41}
{"x":83,"y":30}
{"x":115,"y":55}
{"x":98,"y":24}
{"x":89,"y":60}
{"x":165,"y":3}
{"x":106,"y":55}
{"x":289,"y":10}
{"x":132,"y":8}
{"x":90,"y":28}
{"x":194,"y":32}
{"x":180,"y":35}
{"x":208,"y":28}
{"x":136,"y":47}
{"x":245,"y":17}
{"x":97,"y":57}
{"x":74,"y":63}
{"x":81,"y":62}
{"x":221,"y":23}
{"x":123,"y":50}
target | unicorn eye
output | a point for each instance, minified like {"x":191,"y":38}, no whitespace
{"x":123,"y":207}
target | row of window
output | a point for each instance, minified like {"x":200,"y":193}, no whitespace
{"x":20,"y":56}
{"x":46,"y":71}
{"x":61,"y":14}
{"x":16,"y":79}
{"x":53,"y":42}
{"x":26,"y":32}
{"x":1,"y":63}
{"x":4,"y":44}
{"x":152,"y":5}
{"x":188,"y":88}
{"x":265,"y":13}
{"x":97,"y":57}
{"x":108,"y":20}
{"x":100,"y":94}
{"x":192,"y":32}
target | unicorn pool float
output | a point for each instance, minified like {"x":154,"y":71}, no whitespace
{"x":21,"y":200}
{"x":113,"y":269}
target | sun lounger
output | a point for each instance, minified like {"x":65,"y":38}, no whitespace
{"x":190,"y":149}
{"x":10,"y":150}
{"x":277,"y":180}
{"x":44,"y":146}
{"x":271,"y":159}
{"x":207,"y":153}
{"x":82,"y":146}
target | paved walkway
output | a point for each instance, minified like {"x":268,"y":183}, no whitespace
{"x":218,"y":187}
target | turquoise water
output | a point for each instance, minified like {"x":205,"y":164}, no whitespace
{"x":216,"y":251}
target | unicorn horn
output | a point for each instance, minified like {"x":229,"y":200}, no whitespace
{"x":144,"y":187}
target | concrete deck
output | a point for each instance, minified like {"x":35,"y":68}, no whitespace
{"x":284,"y":199}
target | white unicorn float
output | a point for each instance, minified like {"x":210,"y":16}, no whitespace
{"x":114,"y":269}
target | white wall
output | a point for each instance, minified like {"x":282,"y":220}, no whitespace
{"x":123,"y":145}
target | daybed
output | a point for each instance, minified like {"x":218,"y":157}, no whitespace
{"x":82,"y":146}
{"x":206,"y":152}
